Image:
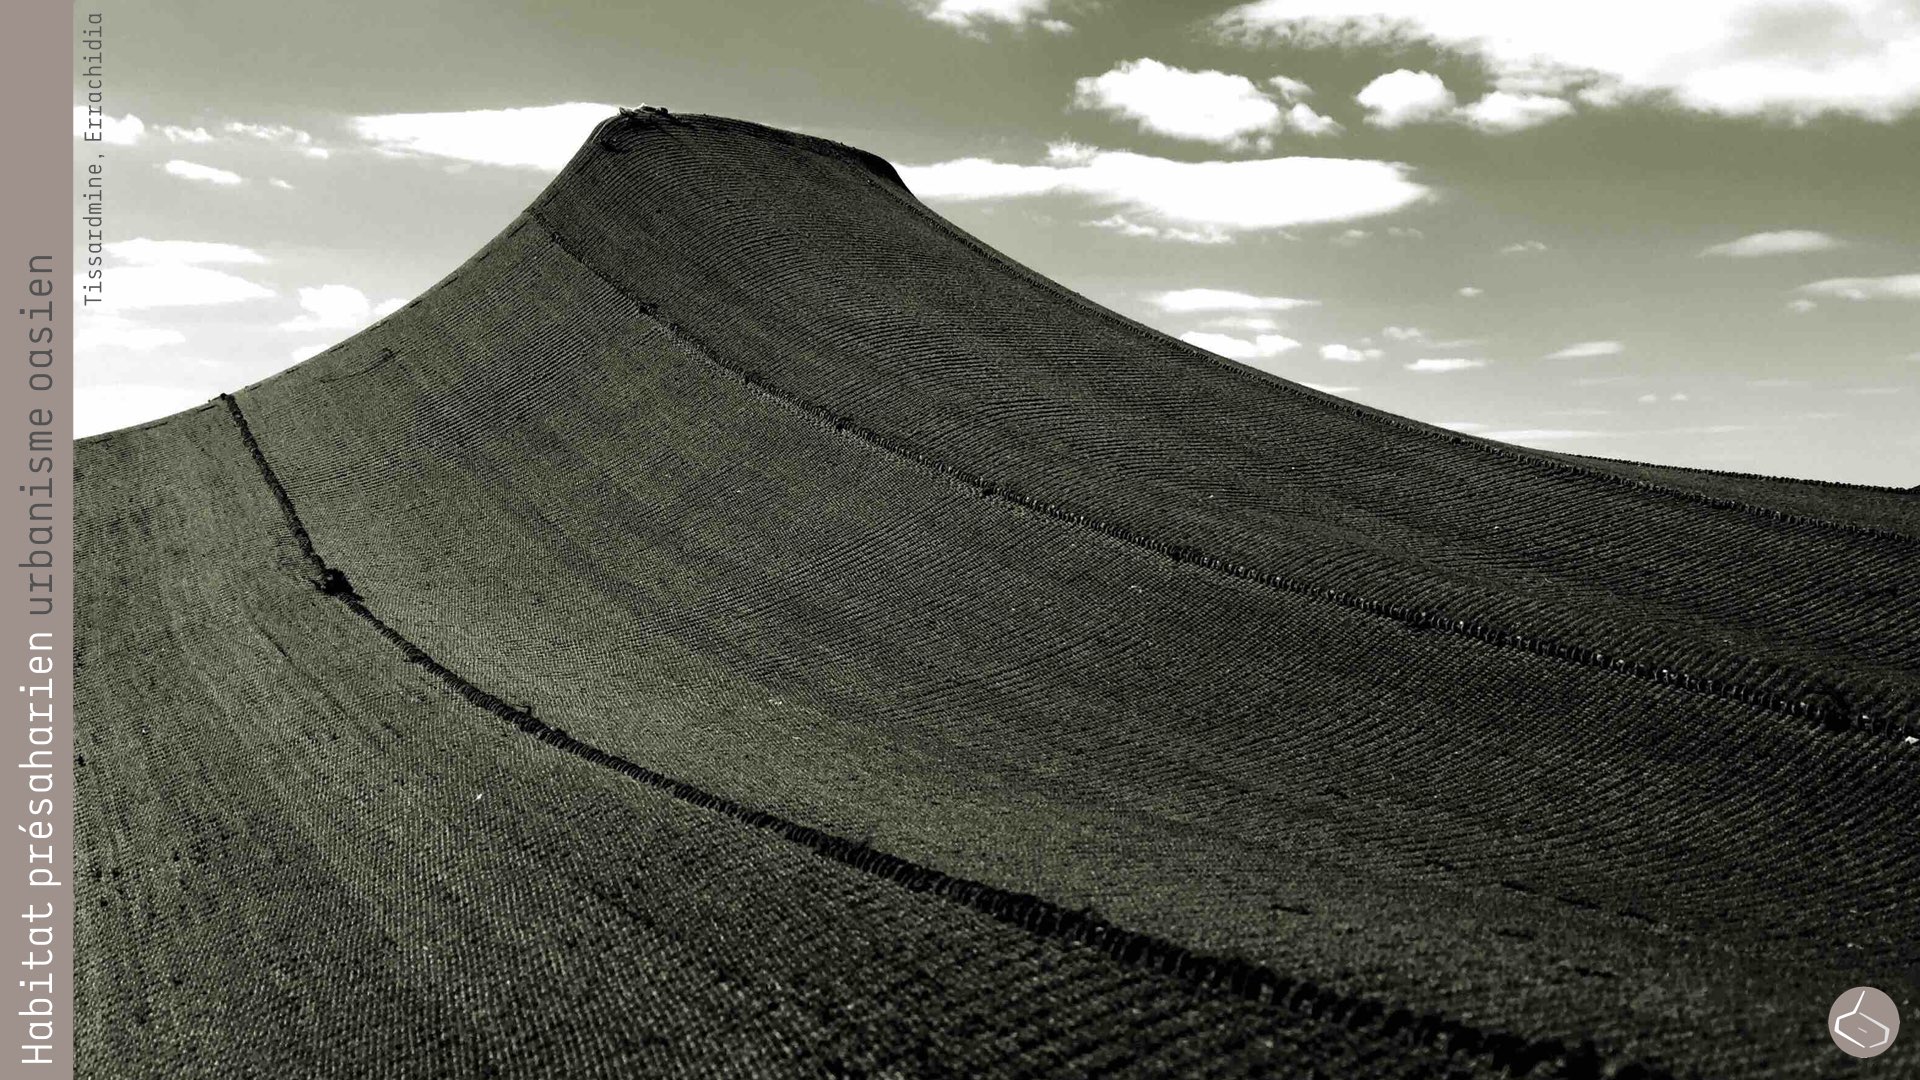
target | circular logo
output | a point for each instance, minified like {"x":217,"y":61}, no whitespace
{"x":1863,"y":1022}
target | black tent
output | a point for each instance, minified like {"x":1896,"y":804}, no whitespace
{"x":737,"y":624}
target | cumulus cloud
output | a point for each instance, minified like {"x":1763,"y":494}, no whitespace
{"x":134,"y":287}
{"x":100,"y":330}
{"x":1347,"y":354}
{"x":1235,"y":196}
{"x":1205,"y":106}
{"x":1190,"y":300}
{"x":1439,"y":364}
{"x":1245,"y":322}
{"x":1126,"y":226}
{"x":198,"y":135}
{"x":278,"y":133}
{"x":1524,"y":247}
{"x":1290,"y":89}
{"x":1303,"y":119}
{"x":1588,"y":348}
{"x":536,"y":137}
{"x":1725,"y":56}
{"x":1408,"y":97}
{"x":114,"y":130}
{"x":1470,"y":291}
{"x":1403,"y":333}
{"x":146,"y":252}
{"x":147,"y":273}
{"x":1501,"y":111}
{"x":974,"y":15}
{"x":337,"y":307}
{"x":205,"y":174}
{"x":1891,"y":287}
{"x":1405,"y":97}
{"x":1784,"y":242}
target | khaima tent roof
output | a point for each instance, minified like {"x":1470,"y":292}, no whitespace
{"x":737,"y":624}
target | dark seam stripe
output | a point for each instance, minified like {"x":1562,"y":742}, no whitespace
{"x":1821,"y":710}
{"x":1230,"y":975}
{"x":603,"y":137}
{"x":1397,"y":423}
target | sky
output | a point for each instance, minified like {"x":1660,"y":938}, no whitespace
{"x":1674,"y":232}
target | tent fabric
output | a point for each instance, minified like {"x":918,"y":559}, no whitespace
{"x":738,"y":624}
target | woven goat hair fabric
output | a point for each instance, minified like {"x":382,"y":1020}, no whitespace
{"x":739,"y":625}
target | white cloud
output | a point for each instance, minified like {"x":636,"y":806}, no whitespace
{"x":1801,"y":306}
{"x":1405,"y":97}
{"x":1727,"y":56}
{"x":1290,"y":89}
{"x":1470,"y":291}
{"x":1268,"y":193}
{"x":1206,"y":106}
{"x":1126,"y":226}
{"x":537,"y":137}
{"x":1461,"y":425}
{"x":148,"y":273}
{"x":1264,"y":346}
{"x":1892,"y":287}
{"x":206,"y":174}
{"x":1403,"y":333}
{"x":1190,"y":300}
{"x":1245,"y":322}
{"x":1502,"y":112}
{"x":281,"y":184}
{"x":114,"y":130}
{"x":1524,"y":247}
{"x":134,"y":287}
{"x":186,"y":135}
{"x":1439,"y":364}
{"x":147,"y":252}
{"x":279,"y":133}
{"x":1303,"y":119}
{"x":337,"y":307}
{"x":1325,"y":389}
{"x":1588,"y":348}
{"x":100,"y":330}
{"x":972,"y":15}
{"x":1784,"y":242}
{"x":307,"y":352}
{"x":1347,"y":354}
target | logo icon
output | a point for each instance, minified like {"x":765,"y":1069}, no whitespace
{"x":1863,"y":1022}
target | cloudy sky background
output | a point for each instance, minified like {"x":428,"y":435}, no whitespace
{"x":1678,"y":232}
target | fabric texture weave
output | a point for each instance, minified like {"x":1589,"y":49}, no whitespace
{"x":737,"y":624}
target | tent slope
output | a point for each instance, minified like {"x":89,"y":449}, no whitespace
{"x":737,"y":624}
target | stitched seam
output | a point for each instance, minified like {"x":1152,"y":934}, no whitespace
{"x":1397,"y":423}
{"x":1819,"y":709}
{"x":1228,"y":975}
{"x":896,"y":189}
